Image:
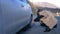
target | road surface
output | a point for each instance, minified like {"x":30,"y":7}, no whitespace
{"x":37,"y":29}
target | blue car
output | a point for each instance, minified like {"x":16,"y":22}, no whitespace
{"x":14,"y":16}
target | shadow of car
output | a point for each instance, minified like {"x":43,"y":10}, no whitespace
{"x":14,"y":15}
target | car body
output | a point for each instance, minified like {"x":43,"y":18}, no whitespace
{"x":14,"y":15}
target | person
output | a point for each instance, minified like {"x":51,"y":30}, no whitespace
{"x":37,"y":19}
{"x":49,"y":21}
{"x":38,"y":16}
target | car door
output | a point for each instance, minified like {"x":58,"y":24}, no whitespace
{"x":15,"y":15}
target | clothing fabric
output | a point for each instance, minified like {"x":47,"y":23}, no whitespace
{"x":38,"y":18}
{"x":48,"y":19}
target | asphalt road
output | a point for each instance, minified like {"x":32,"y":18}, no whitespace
{"x":37,"y":29}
